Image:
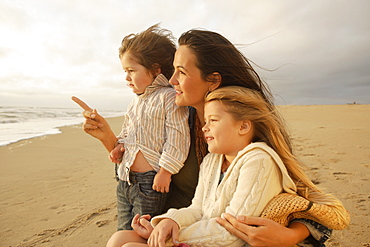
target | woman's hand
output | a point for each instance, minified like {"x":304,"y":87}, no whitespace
{"x":142,"y":226}
{"x":166,"y":228}
{"x":257,"y":231}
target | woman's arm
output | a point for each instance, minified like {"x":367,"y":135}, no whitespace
{"x":258,"y":231}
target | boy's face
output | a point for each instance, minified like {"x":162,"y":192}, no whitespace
{"x":221,"y":130}
{"x":137,"y":76}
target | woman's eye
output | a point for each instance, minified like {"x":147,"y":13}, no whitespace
{"x":181,"y":73}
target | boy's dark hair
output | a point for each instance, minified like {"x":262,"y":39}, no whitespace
{"x":153,"y":48}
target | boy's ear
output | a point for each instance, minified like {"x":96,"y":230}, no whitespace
{"x":215,"y":80}
{"x":245,"y":127}
{"x":156,"y":69}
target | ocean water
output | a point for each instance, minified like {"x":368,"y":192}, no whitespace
{"x":19,"y":123}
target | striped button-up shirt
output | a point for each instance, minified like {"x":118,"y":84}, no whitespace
{"x":156,"y":126}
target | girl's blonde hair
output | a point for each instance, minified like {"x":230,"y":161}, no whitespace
{"x":246,"y":104}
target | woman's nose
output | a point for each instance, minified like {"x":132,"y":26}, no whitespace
{"x":173,"y":80}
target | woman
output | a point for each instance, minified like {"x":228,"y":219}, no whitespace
{"x":204,"y":61}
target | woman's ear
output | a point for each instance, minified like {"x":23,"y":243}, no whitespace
{"x":215,"y":81}
{"x":245,"y":127}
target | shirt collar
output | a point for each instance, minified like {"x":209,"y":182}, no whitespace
{"x":159,"y":81}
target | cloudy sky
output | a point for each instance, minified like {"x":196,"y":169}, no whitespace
{"x":311,"y":52}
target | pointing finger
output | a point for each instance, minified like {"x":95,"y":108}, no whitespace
{"x":82,"y":104}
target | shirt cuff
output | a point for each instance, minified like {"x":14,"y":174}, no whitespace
{"x":319,"y":233}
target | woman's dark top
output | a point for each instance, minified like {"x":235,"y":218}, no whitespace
{"x":183,"y":184}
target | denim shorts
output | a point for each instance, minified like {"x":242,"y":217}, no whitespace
{"x":138,"y":197}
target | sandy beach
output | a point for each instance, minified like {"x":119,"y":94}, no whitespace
{"x":59,"y":190}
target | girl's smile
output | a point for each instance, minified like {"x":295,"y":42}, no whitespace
{"x":221,"y":130}
{"x":209,"y":138}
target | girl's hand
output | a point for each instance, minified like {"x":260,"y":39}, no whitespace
{"x":142,"y":226}
{"x":257,"y":231}
{"x":116,"y":154}
{"x":167,"y":228}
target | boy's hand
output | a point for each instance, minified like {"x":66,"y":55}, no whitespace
{"x":162,"y":181}
{"x":82,"y":104}
{"x":94,"y":125}
{"x":116,"y":154}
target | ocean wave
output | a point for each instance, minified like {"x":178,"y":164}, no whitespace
{"x":19,"y":123}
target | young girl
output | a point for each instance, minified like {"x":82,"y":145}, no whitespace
{"x":248,"y":165}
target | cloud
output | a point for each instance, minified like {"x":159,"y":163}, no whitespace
{"x":313,"y":52}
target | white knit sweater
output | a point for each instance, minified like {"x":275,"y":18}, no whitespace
{"x":254,"y":177}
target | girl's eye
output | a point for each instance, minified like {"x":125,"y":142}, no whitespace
{"x":181,"y":73}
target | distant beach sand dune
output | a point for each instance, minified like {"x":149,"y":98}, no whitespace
{"x":59,"y":190}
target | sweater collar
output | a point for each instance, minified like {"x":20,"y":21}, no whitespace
{"x":288,"y":183}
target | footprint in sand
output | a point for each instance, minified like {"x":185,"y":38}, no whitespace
{"x":362,"y":204}
{"x":334,"y":160}
{"x":101,"y":223}
{"x":308,"y":154}
{"x":46,"y":235}
{"x":342,"y":175}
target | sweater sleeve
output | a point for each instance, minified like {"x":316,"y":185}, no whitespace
{"x":254,"y":184}
{"x":176,"y":147}
{"x":189,"y":215}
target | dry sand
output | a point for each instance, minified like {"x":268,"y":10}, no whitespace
{"x":59,"y":190}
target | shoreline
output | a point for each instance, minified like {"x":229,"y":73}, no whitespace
{"x":59,"y":190}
